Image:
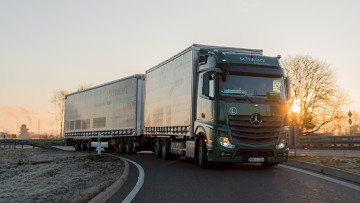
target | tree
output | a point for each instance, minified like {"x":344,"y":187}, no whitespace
{"x":24,"y":132}
{"x":314,"y":89}
{"x":82,"y":87}
{"x":58,"y":100}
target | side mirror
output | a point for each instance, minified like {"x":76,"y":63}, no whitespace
{"x":288,"y":89}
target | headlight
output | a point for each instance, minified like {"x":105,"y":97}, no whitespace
{"x":283,"y":141}
{"x":281,"y":145}
{"x":224,"y":141}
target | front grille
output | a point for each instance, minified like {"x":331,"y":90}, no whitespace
{"x":243,"y":131}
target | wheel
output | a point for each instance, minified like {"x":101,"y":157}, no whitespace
{"x":269,"y":164}
{"x":128,"y":146}
{"x":120,"y":145}
{"x":202,"y":158}
{"x":157,"y":150}
{"x":165,"y":149}
{"x":88,"y":146}
{"x":82,"y":146}
{"x":76,"y":146}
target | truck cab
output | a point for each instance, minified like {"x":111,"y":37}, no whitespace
{"x":241,"y":110}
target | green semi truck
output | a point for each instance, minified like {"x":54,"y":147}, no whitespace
{"x":210,"y":103}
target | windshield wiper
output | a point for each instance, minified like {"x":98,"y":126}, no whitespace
{"x":243,"y":96}
{"x":268,"y":94}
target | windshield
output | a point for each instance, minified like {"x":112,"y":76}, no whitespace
{"x":252,"y":86}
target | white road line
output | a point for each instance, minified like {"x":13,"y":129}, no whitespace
{"x":343,"y":183}
{"x":139,"y":183}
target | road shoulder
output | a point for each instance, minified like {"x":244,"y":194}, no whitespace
{"x":110,"y":191}
{"x":329,"y":171}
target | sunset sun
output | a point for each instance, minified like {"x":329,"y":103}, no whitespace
{"x":296,"y":106}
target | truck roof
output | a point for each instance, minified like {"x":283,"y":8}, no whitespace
{"x":209,"y":47}
{"x":139,"y":76}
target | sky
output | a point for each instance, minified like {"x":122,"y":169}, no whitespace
{"x":46,"y":46}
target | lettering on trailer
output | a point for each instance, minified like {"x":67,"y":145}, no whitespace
{"x":118,"y":91}
{"x":249,"y":59}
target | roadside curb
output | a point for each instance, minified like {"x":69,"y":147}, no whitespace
{"x":330,"y":171}
{"x":110,"y":191}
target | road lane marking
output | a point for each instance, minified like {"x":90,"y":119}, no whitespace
{"x":139,"y":183}
{"x":343,"y":183}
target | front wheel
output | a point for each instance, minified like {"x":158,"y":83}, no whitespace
{"x":202,"y":157}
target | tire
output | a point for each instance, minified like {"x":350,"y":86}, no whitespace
{"x":88,"y":146}
{"x":82,"y":146}
{"x":157,"y":148}
{"x":120,"y":145}
{"x":128,"y":146}
{"x":269,"y":164}
{"x":202,"y":157}
{"x":76,"y":146}
{"x":165,"y":149}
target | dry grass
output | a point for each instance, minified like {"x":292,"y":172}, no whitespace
{"x":351,"y":164}
{"x":35,"y":175}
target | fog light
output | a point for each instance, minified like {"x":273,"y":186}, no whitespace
{"x":224,"y":141}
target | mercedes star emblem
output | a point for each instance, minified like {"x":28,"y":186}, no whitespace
{"x":256,"y":120}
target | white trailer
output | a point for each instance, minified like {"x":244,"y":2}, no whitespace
{"x":113,"y":109}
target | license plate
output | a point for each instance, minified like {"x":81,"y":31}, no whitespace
{"x":256,"y":159}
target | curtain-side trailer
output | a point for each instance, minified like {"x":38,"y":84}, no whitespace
{"x":114,"y":110}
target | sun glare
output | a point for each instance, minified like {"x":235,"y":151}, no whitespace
{"x":296,"y":106}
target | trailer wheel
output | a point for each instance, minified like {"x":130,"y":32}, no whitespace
{"x":157,"y":150}
{"x":165,"y":149}
{"x":128,"y":146}
{"x":82,"y":146}
{"x":202,"y":153}
{"x":88,"y":146}
{"x":120,"y":145}
{"x":76,"y":145}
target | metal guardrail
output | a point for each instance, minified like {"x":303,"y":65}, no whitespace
{"x":330,"y":141}
{"x":41,"y":143}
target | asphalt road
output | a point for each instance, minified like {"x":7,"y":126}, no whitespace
{"x":183,"y":181}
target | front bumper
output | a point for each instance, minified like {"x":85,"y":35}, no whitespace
{"x":241,"y":154}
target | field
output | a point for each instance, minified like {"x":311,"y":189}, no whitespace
{"x":351,"y":164}
{"x":37,"y":175}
